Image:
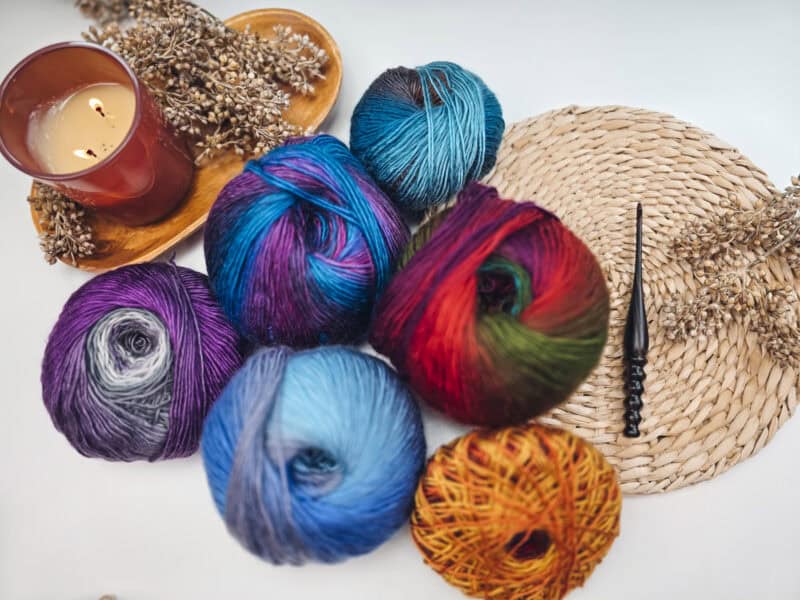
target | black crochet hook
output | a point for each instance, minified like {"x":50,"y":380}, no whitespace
{"x":636,"y":342}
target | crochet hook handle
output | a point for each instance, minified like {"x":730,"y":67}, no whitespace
{"x":636,"y":342}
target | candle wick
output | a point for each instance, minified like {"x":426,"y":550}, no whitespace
{"x":100,"y":110}
{"x":90,"y":152}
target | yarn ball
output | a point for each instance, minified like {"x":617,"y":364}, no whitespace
{"x":522,"y":512}
{"x":300,"y":245}
{"x":499,"y":313}
{"x":424,"y":133}
{"x":313,"y":455}
{"x":135,"y":360}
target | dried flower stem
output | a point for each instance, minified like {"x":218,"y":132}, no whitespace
{"x":727,"y":255}
{"x":223,"y":89}
{"x":104,"y":11}
{"x":65,"y":233}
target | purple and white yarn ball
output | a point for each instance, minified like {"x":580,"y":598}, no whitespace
{"x":135,"y":361}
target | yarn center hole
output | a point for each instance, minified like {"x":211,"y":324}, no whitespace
{"x":319,"y":232}
{"x":503,"y":287}
{"x":527,"y":545}
{"x":136,"y":343}
{"x":316,"y":470}
{"x":497,"y":292}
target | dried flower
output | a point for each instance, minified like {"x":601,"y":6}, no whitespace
{"x":223,"y":89}
{"x":104,"y":11}
{"x":65,"y":232}
{"x":727,"y":255}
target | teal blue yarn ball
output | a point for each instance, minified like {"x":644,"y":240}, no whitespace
{"x":313,"y":455}
{"x":424,"y":133}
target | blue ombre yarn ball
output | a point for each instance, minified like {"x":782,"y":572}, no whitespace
{"x":424,"y":133}
{"x":313,"y":455}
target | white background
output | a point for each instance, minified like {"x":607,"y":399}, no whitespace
{"x":73,"y":528}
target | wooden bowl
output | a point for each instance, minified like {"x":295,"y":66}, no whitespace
{"x":119,"y":245}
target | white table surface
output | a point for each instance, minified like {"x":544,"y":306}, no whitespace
{"x":73,"y":528}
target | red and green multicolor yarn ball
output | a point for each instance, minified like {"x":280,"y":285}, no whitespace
{"x":499,"y":313}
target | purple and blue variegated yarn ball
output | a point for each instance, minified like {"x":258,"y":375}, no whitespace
{"x":300,"y":245}
{"x":135,"y":361}
{"x":313,"y":455}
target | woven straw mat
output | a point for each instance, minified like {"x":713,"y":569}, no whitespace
{"x":708,"y":404}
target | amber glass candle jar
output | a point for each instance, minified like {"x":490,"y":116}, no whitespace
{"x":139,"y":181}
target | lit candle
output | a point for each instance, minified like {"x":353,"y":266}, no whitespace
{"x":81,"y":129}
{"x":74,"y":116}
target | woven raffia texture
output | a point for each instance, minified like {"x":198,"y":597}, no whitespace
{"x":516,"y":513}
{"x":711,"y":403}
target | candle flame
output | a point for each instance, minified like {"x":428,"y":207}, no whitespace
{"x":85,"y":154}
{"x":97,"y":104}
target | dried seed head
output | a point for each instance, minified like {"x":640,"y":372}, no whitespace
{"x":103,"y":11}
{"x":176,"y":49}
{"x":65,"y":232}
{"x":727,"y":255}
{"x":221,"y":88}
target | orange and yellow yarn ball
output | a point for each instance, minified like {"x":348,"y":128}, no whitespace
{"x":517,"y":513}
